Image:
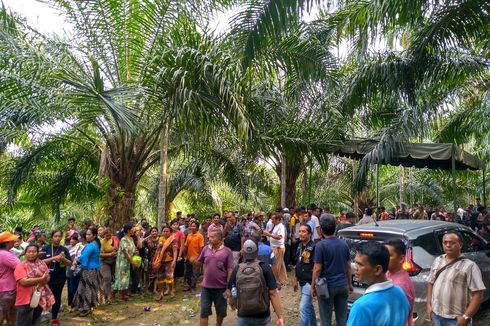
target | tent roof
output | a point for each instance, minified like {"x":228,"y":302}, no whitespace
{"x":420,"y":155}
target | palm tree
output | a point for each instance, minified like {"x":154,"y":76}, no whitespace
{"x":293,"y":77}
{"x":133,"y":68}
{"x":403,"y":93}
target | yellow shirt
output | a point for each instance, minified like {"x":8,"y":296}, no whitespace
{"x":292,"y":221}
{"x":107,"y":246}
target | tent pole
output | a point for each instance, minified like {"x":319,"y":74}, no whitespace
{"x":453,"y":172}
{"x":484,"y":189}
{"x":377,"y":187}
{"x":310,"y":167}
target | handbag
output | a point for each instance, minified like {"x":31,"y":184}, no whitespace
{"x":78,"y":270}
{"x":321,"y":287}
{"x":36,"y":296}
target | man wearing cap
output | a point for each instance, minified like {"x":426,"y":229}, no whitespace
{"x":255,"y":224}
{"x":8,"y":263}
{"x":218,"y":265}
{"x":250,"y":252}
{"x":403,"y":213}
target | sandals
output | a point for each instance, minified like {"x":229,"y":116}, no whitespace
{"x":158,"y":297}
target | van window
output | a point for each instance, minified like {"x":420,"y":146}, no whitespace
{"x":430,"y":243}
{"x":471,"y":243}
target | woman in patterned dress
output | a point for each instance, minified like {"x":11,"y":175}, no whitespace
{"x":164,"y":262}
{"x":87,"y":295}
{"x":151,"y":242}
{"x":123,"y":262}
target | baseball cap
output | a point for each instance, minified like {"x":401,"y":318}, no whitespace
{"x":259,"y":214}
{"x":286,"y":210}
{"x":250,"y":250}
{"x":8,"y":237}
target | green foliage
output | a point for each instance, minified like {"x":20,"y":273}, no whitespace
{"x":85,"y":114}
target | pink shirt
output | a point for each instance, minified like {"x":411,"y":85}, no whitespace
{"x":178,"y":237}
{"x":213,"y":228}
{"x":8,"y":263}
{"x":402,"y":279}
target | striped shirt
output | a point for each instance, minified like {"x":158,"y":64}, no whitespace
{"x":451,"y":292}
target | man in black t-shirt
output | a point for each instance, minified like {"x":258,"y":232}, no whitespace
{"x":304,"y":273}
{"x":234,"y":236}
{"x":250,"y":252}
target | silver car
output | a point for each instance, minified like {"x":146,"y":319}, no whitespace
{"x":424,"y":243}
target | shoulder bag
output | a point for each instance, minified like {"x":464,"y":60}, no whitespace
{"x":446,"y":266}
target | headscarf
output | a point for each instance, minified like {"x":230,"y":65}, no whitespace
{"x":35,"y":269}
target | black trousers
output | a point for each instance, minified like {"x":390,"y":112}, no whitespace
{"x":287,"y":254}
{"x":191,"y":275}
{"x":27,"y":316}
{"x":135,"y":279}
{"x":57,"y":289}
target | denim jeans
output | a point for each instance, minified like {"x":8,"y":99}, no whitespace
{"x":441,"y":321}
{"x":72,"y":287}
{"x":307,"y":315}
{"x":251,"y":321}
{"x":337,"y":301}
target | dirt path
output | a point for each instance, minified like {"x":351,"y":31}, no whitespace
{"x":184,"y":310}
{"x":181,"y":310}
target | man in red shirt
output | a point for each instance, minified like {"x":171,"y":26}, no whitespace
{"x":383,"y":216}
{"x":398,"y":275}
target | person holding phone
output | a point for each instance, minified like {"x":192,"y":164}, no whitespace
{"x":56,"y":257}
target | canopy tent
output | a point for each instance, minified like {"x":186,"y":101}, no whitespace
{"x":419,"y":155}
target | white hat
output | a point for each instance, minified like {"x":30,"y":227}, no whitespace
{"x":250,"y":250}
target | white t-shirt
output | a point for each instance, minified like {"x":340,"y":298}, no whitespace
{"x":279,"y":229}
{"x":316,"y":223}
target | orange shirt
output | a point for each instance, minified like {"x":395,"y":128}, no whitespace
{"x":194,"y":244}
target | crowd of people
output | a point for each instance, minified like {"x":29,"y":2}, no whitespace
{"x":477,"y":217}
{"x":243,"y":261}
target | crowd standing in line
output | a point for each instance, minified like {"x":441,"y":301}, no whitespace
{"x":244,"y":263}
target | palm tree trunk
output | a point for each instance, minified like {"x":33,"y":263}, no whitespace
{"x":304,"y":184}
{"x":121,"y":202}
{"x":288,"y":171}
{"x":355,"y":194}
{"x":402,"y":183}
{"x":162,"y":187}
{"x":283,"y":182}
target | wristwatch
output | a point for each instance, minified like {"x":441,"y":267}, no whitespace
{"x":467,"y":319}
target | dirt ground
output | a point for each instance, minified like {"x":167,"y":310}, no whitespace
{"x":181,"y":310}
{"x":184,"y":310}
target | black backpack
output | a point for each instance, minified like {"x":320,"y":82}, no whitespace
{"x":252,"y":290}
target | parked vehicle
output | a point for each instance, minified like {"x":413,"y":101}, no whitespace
{"x":424,"y":243}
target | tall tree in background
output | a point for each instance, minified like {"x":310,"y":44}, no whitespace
{"x":135,"y":67}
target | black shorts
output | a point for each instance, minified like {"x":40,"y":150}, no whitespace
{"x":208,"y":296}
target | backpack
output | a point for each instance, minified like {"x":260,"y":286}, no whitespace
{"x":252,"y":291}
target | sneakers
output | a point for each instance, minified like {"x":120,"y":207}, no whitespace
{"x":55,"y":322}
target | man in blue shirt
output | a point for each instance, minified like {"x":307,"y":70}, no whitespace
{"x":383,"y":304}
{"x":332,"y":262}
